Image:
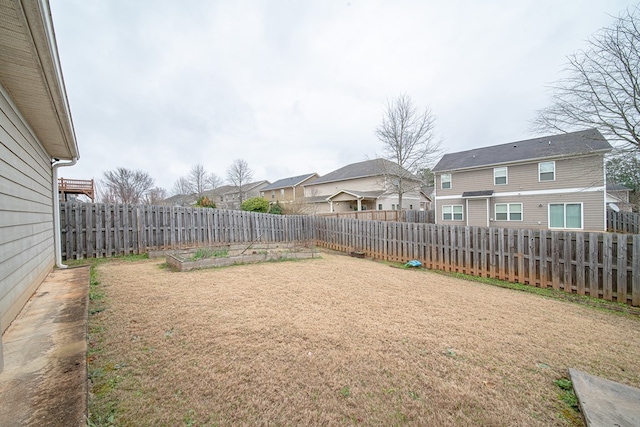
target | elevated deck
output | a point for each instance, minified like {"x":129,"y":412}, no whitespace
{"x":76,"y":186}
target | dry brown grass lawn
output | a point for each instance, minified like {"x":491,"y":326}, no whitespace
{"x":340,"y":341}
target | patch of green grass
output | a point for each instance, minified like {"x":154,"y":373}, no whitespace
{"x":96,"y":261}
{"x":345,"y":391}
{"x":104,"y":377}
{"x":557,"y":294}
{"x":203,"y":253}
{"x":570,"y":409}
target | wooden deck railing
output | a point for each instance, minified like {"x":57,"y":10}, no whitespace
{"x":76,"y":186}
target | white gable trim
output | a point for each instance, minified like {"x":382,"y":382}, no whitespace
{"x":533,"y":192}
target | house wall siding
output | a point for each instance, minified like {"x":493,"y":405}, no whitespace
{"x":26,"y":212}
{"x":358,"y":184}
{"x":576,"y":178}
{"x":576,"y":172}
{"x":535,"y":210}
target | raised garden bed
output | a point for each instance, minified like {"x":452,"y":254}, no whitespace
{"x":225,"y":255}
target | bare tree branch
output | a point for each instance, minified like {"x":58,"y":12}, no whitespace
{"x":127,"y":186}
{"x":409,"y":142}
{"x":240,"y":175}
{"x":181,"y":187}
{"x":602,"y":87}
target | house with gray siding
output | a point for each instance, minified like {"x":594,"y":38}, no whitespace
{"x":36,"y":138}
{"x":367,"y":185}
{"x":555,"y":182}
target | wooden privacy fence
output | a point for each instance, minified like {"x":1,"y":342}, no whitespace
{"x":387,"y":215}
{"x":602,"y":265}
{"x":105,"y":230}
{"x":395,"y":215}
{"x":626,"y":222}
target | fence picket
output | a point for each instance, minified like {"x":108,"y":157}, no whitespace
{"x":597,"y":264}
{"x":621,"y":265}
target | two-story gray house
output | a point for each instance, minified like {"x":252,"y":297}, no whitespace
{"x":554,"y":182}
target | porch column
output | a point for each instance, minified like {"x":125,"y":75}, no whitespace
{"x":359,"y":204}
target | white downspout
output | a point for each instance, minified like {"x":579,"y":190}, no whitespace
{"x":56,"y":211}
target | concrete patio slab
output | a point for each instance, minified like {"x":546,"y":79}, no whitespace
{"x":604,"y":402}
{"x":44,"y":381}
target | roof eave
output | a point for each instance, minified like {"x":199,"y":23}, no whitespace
{"x":58,"y":139}
{"x":530,"y":160}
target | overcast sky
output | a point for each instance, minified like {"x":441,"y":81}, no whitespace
{"x":295,"y":87}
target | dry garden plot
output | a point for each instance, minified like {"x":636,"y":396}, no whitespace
{"x":339,"y":341}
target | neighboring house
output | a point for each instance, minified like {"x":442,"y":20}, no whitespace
{"x":618,"y":195}
{"x":230,"y":196}
{"x":184,"y":200}
{"x":554,"y":182}
{"x":363,"y":186}
{"x":36,"y":134}
{"x":287,"y":190}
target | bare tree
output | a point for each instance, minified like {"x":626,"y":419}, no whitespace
{"x":126,"y":185}
{"x":155,"y":196}
{"x":196,"y":182}
{"x":409,"y":143}
{"x":198,"y":179}
{"x":624,"y":168}
{"x":181,"y":187}
{"x":213,"y":181}
{"x":602,"y":87}
{"x":240,"y":175}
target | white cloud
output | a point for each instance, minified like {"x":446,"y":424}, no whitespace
{"x":295,"y":87}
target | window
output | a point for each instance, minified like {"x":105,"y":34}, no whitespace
{"x":508,"y":211}
{"x":499,"y":176}
{"x":452,"y":213}
{"x":282,"y":192}
{"x":393,"y":207}
{"x":379,"y":206}
{"x":411,"y":207}
{"x":262,"y":194}
{"x":273,"y":194}
{"x":445,"y":180}
{"x":565,"y":215}
{"x":547,"y":171}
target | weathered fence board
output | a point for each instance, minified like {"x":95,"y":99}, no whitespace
{"x":625,"y":222}
{"x":604,"y":265}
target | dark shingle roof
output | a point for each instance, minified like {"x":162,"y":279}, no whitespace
{"x":288,"y":182}
{"x":568,"y":144}
{"x":365,"y":194}
{"x":364,"y":169}
{"x":480,"y":193}
{"x":617,"y":187}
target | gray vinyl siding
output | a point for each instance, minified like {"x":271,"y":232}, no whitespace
{"x":578,"y":172}
{"x":26,"y":213}
{"x":534,"y":215}
{"x":476,"y":210}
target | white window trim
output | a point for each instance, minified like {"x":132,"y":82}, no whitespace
{"x":452,"y":213}
{"x":495,"y":212}
{"x":506,"y":175}
{"x":565,"y":216}
{"x":554,"y":172}
{"x":449,"y":181}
